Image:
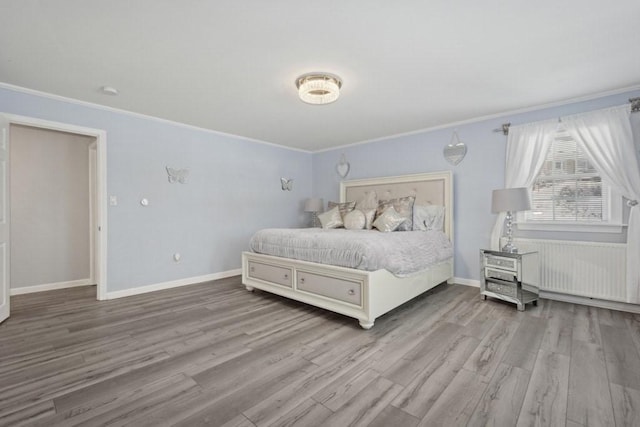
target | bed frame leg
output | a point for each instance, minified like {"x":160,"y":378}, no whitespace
{"x":366,"y":325}
{"x":249,"y":288}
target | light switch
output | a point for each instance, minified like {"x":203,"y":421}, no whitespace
{"x":113,"y":201}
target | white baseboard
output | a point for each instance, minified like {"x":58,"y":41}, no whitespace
{"x":594,"y":302}
{"x":173,"y":284}
{"x":50,"y":286}
{"x":465,"y":282}
{"x":575,"y":299}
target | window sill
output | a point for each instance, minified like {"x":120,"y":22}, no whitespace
{"x":572,"y":227}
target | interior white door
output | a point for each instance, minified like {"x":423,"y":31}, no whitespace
{"x":4,"y":218}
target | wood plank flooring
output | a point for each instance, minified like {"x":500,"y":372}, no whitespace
{"x":215,"y":354}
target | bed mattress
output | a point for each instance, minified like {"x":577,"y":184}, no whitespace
{"x":402,"y":253}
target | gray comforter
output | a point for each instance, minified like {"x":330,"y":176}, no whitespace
{"x":402,"y":253}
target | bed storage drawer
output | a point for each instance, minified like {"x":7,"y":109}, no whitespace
{"x":340,"y":289}
{"x":271,"y":273}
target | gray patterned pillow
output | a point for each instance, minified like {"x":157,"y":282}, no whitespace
{"x":354,"y":220}
{"x":389,"y":220}
{"x":344,"y":208}
{"x":403,"y":206}
{"x":331,"y":218}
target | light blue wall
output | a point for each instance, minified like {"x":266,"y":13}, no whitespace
{"x":481,"y":171}
{"x":233,"y":189}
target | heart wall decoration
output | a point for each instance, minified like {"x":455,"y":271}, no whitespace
{"x":343,"y":167}
{"x":455,"y":151}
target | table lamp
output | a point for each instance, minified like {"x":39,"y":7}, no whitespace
{"x":510,"y":200}
{"x":314,"y":205}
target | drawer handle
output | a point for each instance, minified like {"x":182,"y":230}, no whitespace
{"x":286,"y":276}
{"x":351,"y":292}
{"x":302,"y":280}
{"x":252,"y":269}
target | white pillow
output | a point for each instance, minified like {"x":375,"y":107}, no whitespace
{"x":428,"y":217}
{"x":331,"y":218}
{"x":354,"y":220}
{"x":369,"y":216}
{"x":389,"y":220}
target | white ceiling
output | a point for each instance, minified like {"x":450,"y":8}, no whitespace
{"x":230,"y":65}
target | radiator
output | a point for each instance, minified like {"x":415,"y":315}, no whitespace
{"x":588,"y":269}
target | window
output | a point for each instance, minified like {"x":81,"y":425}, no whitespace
{"x":570,"y":191}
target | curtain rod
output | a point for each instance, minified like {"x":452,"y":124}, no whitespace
{"x":635,"y":107}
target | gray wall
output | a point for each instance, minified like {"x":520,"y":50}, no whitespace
{"x":481,"y":171}
{"x":49,"y":207}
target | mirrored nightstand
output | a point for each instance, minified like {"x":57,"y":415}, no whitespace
{"x":513,"y":277}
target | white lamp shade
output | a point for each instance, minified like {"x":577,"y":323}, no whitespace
{"x":510,"y":199}
{"x":313,"y":204}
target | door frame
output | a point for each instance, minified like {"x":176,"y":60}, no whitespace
{"x":99,"y":232}
{"x":93,"y":217}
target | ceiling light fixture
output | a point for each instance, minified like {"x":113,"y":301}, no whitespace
{"x":318,"y":88}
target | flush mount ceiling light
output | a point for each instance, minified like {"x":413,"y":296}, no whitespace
{"x":318,"y":88}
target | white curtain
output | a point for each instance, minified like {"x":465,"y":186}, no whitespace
{"x":607,"y":140}
{"x":527,"y":147}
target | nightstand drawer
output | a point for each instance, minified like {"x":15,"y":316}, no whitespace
{"x":507,"y":276}
{"x":502,"y":289}
{"x":503,"y":263}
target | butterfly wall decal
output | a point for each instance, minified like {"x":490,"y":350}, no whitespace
{"x":177,"y":175}
{"x":287,"y":184}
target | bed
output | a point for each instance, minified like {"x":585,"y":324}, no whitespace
{"x":364,"y":295}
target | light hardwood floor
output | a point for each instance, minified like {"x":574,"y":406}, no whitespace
{"x":215,"y":354}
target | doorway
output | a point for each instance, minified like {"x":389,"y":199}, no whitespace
{"x":91,"y":144}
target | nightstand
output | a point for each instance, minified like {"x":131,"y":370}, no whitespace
{"x":512,"y":277}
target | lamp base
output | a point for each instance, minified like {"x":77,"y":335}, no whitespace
{"x":315,"y":221}
{"x":509,"y":248}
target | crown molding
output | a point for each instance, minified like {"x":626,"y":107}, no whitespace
{"x":140,"y":115}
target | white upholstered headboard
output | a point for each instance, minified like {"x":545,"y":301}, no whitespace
{"x":435,"y":188}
